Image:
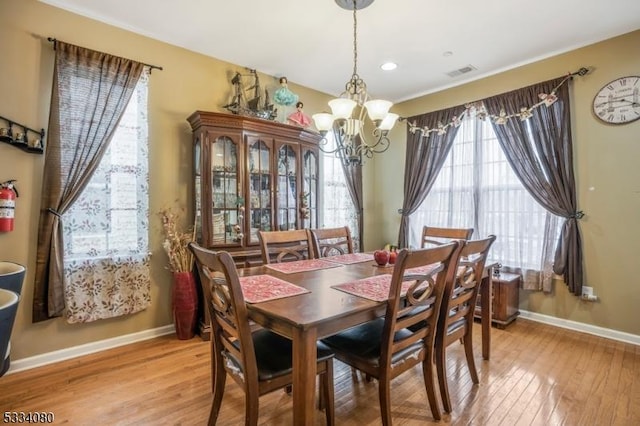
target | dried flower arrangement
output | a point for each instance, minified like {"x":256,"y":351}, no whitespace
{"x":176,"y":243}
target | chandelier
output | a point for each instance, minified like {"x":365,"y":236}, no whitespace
{"x":347,"y":117}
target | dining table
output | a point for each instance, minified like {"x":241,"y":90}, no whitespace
{"x":323,"y":310}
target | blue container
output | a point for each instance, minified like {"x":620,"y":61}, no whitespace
{"x":11,"y":279}
{"x":12,"y":276}
{"x":8,"y":309}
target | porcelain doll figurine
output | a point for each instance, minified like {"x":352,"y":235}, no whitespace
{"x":283,"y":96}
{"x":299,"y":118}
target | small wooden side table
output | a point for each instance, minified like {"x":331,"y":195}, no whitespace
{"x":505,"y":299}
{"x":506,"y":288}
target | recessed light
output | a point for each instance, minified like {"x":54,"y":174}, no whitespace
{"x":447,"y":53}
{"x":388,"y":66}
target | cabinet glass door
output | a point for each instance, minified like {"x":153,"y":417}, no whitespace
{"x":287,"y":206}
{"x":197,"y":176}
{"x":260,"y":188}
{"x":309,"y":196}
{"x":225,"y":218}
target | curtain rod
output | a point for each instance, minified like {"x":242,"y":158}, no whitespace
{"x":55,"y":41}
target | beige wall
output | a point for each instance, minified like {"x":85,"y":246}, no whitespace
{"x":607,"y":173}
{"x":188,"y":82}
{"x":605,"y":159}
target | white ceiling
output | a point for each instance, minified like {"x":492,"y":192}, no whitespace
{"x":311,"y":41}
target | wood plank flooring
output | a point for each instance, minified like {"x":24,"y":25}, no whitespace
{"x":537,"y":375}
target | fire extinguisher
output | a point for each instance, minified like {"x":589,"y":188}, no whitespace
{"x":8,"y":195}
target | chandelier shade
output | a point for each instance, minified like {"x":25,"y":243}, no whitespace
{"x":347,"y":118}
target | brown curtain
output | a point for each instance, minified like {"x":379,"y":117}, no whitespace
{"x":353,"y":178}
{"x":540,"y":151}
{"x":424,"y":159}
{"x":90,"y":93}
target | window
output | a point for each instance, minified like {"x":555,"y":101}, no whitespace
{"x":338,"y":209}
{"x":106,"y":229}
{"x":477,"y":188}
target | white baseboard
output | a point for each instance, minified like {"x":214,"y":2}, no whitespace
{"x":86,"y":349}
{"x":582,"y":327}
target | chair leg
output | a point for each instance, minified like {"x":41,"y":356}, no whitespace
{"x":441,"y":366}
{"x":384,"y":393}
{"x":468,"y":350}
{"x":219,"y":379}
{"x":251,"y":410}
{"x":327,"y":392}
{"x":430,"y":386}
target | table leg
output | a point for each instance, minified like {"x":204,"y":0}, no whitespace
{"x":486,"y":307}
{"x":304,"y":376}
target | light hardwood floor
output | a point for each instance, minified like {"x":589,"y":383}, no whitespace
{"x":537,"y":375}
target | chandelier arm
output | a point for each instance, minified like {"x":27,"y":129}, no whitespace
{"x":324,"y":142}
{"x":382,"y":141}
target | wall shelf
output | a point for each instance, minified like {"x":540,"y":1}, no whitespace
{"x":16,"y":134}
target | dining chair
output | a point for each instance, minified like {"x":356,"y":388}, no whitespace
{"x":331,"y":241}
{"x":433,"y":236}
{"x":457,"y":311}
{"x":285,"y":246}
{"x":259,"y":361}
{"x":385,"y":347}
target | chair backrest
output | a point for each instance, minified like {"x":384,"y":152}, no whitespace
{"x":417,"y":313}
{"x":285,"y":246}
{"x":460,"y":294}
{"x":434,"y":236}
{"x":331,"y":241}
{"x":231,"y":341}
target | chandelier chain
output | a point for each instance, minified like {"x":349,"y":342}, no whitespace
{"x":355,"y":40}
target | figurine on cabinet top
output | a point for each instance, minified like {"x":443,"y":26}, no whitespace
{"x":299,"y":118}
{"x":283,"y":96}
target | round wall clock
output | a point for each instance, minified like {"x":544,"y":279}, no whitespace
{"x":618,"y":102}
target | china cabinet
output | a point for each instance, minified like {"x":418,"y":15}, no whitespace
{"x":250,"y":175}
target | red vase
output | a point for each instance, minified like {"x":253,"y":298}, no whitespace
{"x":184,"y":301}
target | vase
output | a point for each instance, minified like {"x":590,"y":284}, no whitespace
{"x":184,"y":302}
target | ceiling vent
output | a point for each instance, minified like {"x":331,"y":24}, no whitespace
{"x":461,"y":71}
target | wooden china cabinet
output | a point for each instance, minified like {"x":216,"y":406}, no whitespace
{"x":249,"y":175}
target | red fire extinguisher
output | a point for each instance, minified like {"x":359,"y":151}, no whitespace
{"x":8,"y":195}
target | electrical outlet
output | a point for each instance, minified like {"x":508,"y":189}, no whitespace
{"x":587,"y":294}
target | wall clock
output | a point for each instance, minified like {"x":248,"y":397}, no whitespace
{"x":618,"y":102}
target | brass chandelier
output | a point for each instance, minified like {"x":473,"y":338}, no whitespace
{"x":347,"y":116}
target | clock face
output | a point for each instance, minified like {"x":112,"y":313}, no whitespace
{"x":619,"y":101}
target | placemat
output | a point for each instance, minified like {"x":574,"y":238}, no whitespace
{"x":374,"y":288}
{"x":421,"y":269}
{"x":349,"y":258}
{"x":301,"y":266}
{"x":260,"y":288}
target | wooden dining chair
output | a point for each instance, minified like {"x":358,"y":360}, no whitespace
{"x":285,"y":246}
{"x":385,"y":347}
{"x":259,"y":361}
{"x":433,"y":236}
{"x":457,"y":311}
{"x":331,"y":241}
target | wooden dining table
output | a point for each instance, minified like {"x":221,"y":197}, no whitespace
{"x":325,"y":311}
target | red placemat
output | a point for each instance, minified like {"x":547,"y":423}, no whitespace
{"x":421,"y":269}
{"x":260,"y":288}
{"x":348,"y":259}
{"x":377,"y":288}
{"x":301,"y":266}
